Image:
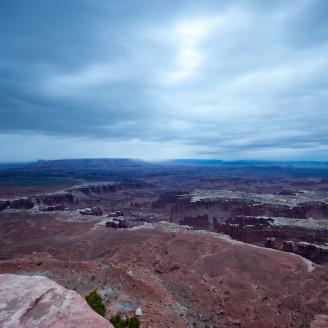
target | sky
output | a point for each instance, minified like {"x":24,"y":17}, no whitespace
{"x":155,"y":80}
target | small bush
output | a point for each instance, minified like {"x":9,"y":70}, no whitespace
{"x":133,"y":322}
{"x":119,"y":322}
{"x":95,"y":302}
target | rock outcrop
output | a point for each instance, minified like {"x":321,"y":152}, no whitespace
{"x":225,"y":207}
{"x":288,"y":246}
{"x":59,"y":207}
{"x":263,"y":231}
{"x":70,"y":197}
{"x":23,"y":203}
{"x":197,"y":222}
{"x":314,"y":252}
{"x":37,"y":302}
{"x":97,"y":211}
{"x":118,"y":223}
{"x":320,"y":321}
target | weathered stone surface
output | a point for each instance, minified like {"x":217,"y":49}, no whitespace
{"x":70,"y":196}
{"x":320,"y":321}
{"x":197,"y":222}
{"x":118,"y":222}
{"x":288,"y":246}
{"x":270,"y":242}
{"x":23,"y":203}
{"x":37,"y":302}
{"x":53,"y":208}
{"x":97,"y":211}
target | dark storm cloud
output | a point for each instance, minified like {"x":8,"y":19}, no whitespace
{"x":228,"y":79}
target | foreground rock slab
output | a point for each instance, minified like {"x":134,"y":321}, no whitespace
{"x":39,"y":302}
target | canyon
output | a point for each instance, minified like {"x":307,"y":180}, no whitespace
{"x":193,"y":244}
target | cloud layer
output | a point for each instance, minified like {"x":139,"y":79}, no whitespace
{"x":158,"y":79}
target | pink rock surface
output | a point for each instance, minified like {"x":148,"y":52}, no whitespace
{"x":320,"y":321}
{"x":35,"y":302}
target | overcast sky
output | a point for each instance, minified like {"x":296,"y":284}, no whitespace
{"x":154,"y":79}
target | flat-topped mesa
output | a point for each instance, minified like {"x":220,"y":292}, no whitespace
{"x":230,"y":205}
{"x":71,"y":196}
{"x":37,"y":302}
{"x":99,"y":188}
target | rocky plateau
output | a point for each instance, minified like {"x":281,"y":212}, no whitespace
{"x":191,"y":245}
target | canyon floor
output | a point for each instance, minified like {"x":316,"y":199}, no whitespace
{"x":192,"y":243}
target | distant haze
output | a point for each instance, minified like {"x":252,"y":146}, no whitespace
{"x":164,"y":79}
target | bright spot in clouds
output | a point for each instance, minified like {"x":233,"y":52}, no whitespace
{"x":189,"y":35}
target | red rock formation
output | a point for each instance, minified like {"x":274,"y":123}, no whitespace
{"x":116,"y":214}
{"x":56,"y":198}
{"x":53,"y":208}
{"x":316,"y":253}
{"x":37,"y":302}
{"x":23,"y":203}
{"x":117,"y":223}
{"x":70,"y":196}
{"x":166,"y":200}
{"x":288,"y":246}
{"x":232,"y":207}
{"x":320,"y":321}
{"x":97,"y":211}
{"x":197,"y":222}
{"x":270,"y":242}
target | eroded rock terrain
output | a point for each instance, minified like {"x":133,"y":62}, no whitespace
{"x":225,"y":245}
{"x":37,"y":302}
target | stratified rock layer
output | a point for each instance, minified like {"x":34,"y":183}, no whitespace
{"x":37,"y":302}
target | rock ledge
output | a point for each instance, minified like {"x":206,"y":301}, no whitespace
{"x":37,"y":302}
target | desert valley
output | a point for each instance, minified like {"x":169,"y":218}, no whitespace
{"x":190,"y":243}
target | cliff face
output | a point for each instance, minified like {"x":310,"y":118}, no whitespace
{"x":37,"y":302}
{"x":257,"y":219}
{"x":264,"y":232}
{"x":68,"y":197}
{"x":4,"y":204}
{"x":227,"y":207}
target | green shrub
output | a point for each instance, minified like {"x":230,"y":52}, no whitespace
{"x":119,"y":322}
{"x":95,"y":302}
{"x":133,"y":322}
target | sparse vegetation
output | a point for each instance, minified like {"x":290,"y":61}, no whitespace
{"x":133,"y":322}
{"x":95,"y":302}
{"x":119,"y":322}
